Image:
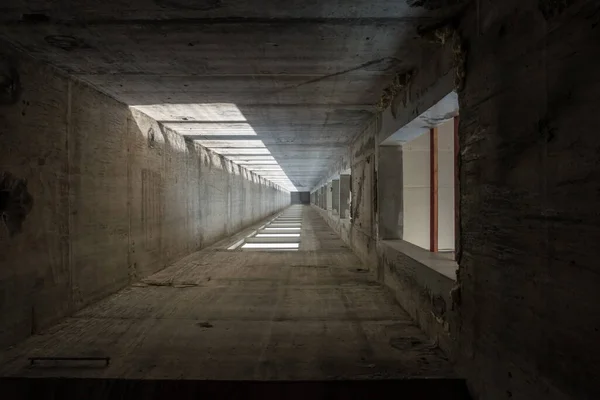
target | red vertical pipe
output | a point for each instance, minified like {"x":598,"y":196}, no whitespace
{"x":456,"y":186}
{"x":433,"y":209}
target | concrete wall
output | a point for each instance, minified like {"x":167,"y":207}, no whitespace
{"x":421,"y":290}
{"x":300,"y":197}
{"x":523,"y":318}
{"x":362,"y":189}
{"x":529,"y":195}
{"x":94,"y":197}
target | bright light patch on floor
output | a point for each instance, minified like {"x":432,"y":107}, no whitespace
{"x":271,"y":246}
{"x":259,"y":235}
{"x":282,"y":229}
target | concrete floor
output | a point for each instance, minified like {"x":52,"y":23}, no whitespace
{"x":313,"y":314}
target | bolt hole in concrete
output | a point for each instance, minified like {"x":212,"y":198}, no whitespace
{"x":35,"y":18}
{"x":15,"y":202}
{"x":66,"y":42}
{"x":405,"y":343}
{"x":10,"y":85}
{"x":199,"y":5}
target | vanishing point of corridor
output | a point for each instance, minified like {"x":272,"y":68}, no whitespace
{"x":311,"y":314}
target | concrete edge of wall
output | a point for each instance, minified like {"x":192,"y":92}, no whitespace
{"x":353,"y":237}
{"x":422,"y":291}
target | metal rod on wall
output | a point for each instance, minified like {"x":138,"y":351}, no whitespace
{"x":456,"y":187}
{"x":433,"y":209}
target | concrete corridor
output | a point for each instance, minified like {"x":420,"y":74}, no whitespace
{"x":150,"y":152}
{"x":218,"y":314}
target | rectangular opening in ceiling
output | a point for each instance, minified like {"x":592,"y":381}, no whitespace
{"x":224,"y":129}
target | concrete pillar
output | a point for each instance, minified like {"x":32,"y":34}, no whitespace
{"x":329,"y":196}
{"x":345,"y":196}
{"x":335,"y":197}
{"x":390,"y":196}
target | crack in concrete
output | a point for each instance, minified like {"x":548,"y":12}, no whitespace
{"x":339,"y":73}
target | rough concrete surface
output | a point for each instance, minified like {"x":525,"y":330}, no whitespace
{"x":526,"y":314}
{"x":218,"y":314}
{"x":305,"y":76}
{"x":96,"y":196}
{"x":116,"y":195}
{"x":529,"y":276}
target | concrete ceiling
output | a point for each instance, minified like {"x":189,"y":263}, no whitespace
{"x":284,"y":83}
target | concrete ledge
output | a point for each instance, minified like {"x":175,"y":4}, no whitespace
{"x":423,"y":291}
{"x":435,"y":261}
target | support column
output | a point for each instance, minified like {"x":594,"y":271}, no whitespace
{"x":344,"y":196}
{"x":329,"y":196}
{"x":323,"y":198}
{"x":390,"y":184}
{"x":335,"y":197}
